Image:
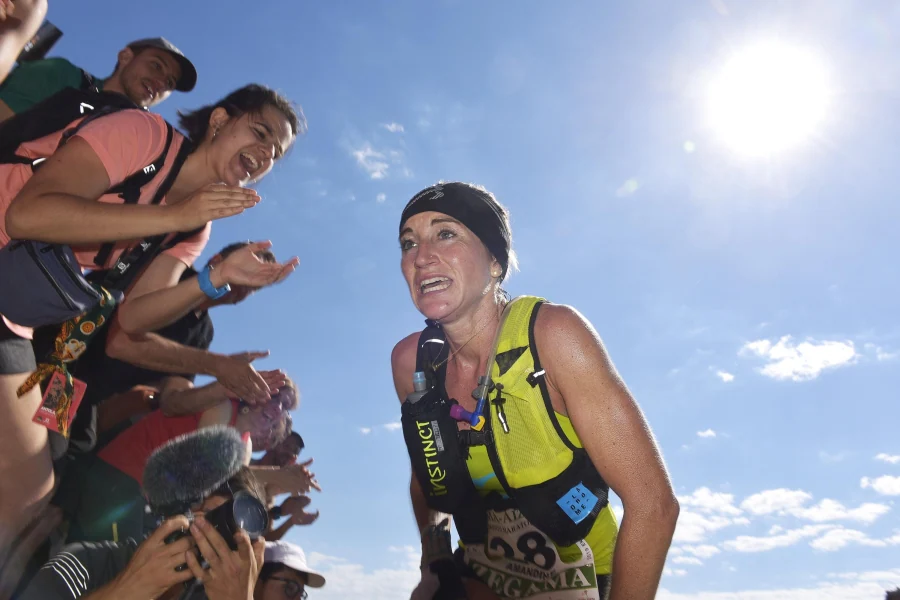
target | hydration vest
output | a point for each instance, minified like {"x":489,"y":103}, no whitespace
{"x":550,"y":479}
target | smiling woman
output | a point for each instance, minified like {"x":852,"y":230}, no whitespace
{"x":768,"y":98}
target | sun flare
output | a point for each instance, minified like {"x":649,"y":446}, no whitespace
{"x":768,"y":98}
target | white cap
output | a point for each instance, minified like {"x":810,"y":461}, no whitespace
{"x":292,"y":556}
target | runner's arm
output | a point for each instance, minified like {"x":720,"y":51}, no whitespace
{"x":619,"y":442}
{"x":403,"y":363}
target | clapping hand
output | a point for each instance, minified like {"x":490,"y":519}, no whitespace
{"x":294,"y":506}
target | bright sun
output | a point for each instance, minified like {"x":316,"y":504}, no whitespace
{"x":768,"y":98}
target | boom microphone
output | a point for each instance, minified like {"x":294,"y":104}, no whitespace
{"x":189,"y":468}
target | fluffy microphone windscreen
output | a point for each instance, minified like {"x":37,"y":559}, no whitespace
{"x":190,"y":467}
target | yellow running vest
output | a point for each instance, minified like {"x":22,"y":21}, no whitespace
{"x":517,"y":560}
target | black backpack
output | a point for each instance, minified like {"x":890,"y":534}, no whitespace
{"x":57,"y":112}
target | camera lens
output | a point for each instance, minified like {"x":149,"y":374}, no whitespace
{"x":250,"y":515}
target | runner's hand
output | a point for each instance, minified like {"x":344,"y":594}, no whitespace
{"x":7,"y":8}
{"x":231,"y":574}
{"x":244,"y":267}
{"x":236,"y":374}
{"x":211,"y":202}
{"x":151,"y":571}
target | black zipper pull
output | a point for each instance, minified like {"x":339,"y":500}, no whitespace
{"x":499,"y":401}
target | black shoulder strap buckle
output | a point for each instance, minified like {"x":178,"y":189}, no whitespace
{"x":533,"y":378}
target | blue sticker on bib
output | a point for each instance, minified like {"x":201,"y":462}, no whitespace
{"x":578,"y":503}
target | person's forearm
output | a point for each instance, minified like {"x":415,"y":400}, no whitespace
{"x":153,"y":351}
{"x":155,"y":310}
{"x":640,"y":553}
{"x":194,"y":400}
{"x":87,"y":221}
{"x":278,"y":533}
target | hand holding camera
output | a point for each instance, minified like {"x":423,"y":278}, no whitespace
{"x":231,"y":574}
{"x":152,"y":569}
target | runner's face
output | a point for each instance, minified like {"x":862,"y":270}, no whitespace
{"x":447,"y":268}
{"x":245,"y":148}
{"x":150,"y":76}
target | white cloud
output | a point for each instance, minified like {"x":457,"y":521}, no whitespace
{"x":803,"y":361}
{"x":886,"y":485}
{"x":674,"y":572}
{"x":893,"y":459}
{"x":827,"y":457}
{"x":380,"y":198}
{"x":775,"y":501}
{"x":725,"y":376}
{"x":348,"y":580}
{"x":709,"y":433}
{"x":705,"y":551}
{"x":693,"y":527}
{"x":707,"y":501}
{"x":392,"y":426}
{"x":373,"y":162}
{"x":748,"y":543}
{"x":687,"y":560}
{"x":832,"y":510}
{"x":393,"y":127}
{"x":628,"y":188}
{"x":880,"y":353}
{"x":853,"y":586}
{"x":365,"y":430}
{"x":836,"y":539}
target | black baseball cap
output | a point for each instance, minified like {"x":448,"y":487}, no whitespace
{"x":188,"y":78}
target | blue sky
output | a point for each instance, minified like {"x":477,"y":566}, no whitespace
{"x":694,"y":263}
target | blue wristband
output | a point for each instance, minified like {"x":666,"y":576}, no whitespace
{"x":206,"y":285}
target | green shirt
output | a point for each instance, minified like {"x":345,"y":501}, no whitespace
{"x":34,"y":81}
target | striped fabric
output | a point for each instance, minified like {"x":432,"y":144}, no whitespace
{"x":68,"y":568}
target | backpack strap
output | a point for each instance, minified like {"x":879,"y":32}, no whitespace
{"x":431,"y":349}
{"x":89,"y":82}
{"x":133,"y":261}
{"x":130,"y":190}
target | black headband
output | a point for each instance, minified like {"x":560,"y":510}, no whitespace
{"x":472,"y":207}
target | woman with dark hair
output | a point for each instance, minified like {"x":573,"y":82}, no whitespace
{"x":229,"y":145}
{"x":524,"y":463}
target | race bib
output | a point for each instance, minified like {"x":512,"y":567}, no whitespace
{"x":519,"y":561}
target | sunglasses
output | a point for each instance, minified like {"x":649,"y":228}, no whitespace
{"x":292,"y":588}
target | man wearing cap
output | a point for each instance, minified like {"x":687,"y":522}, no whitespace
{"x":284,"y":574}
{"x":146,"y":73}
